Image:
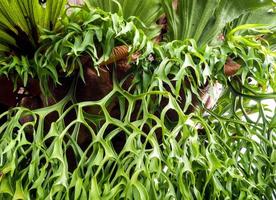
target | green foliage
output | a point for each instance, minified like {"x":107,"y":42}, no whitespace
{"x":145,"y":13}
{"x":20,"y":22}
{"x":204,"y":20}
{"x":85,"y":34}
{"x":221,"y":153}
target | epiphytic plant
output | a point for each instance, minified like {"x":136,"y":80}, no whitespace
{"x":133,"y":135}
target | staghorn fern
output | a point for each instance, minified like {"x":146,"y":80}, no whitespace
{"x":205,"y":20}
{"x":208,"y":154}
{"x":20,"y":22}
{"x":144,"y":13}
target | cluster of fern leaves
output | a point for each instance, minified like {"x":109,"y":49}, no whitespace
{"x":224,"y":152}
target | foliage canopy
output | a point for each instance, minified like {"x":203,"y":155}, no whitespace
{"x":167,"y":152}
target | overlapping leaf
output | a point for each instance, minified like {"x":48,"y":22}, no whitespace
{"x":144,"y":12}
{"x":204,"y":20}
{"x":166,"y":153}
{"x":20,"y":22}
